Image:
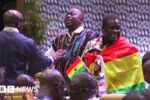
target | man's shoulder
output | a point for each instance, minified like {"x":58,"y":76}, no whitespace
{"x":125,"y":41}
{"x":24,"y":38}
{"x":90,"y":32}
{"x":62,"y":36}
{"x":20,"y":37}
{"x":12,"y":34}
{"x":2,"y":32}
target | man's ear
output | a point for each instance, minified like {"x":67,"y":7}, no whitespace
{"x":81,"y":20}
{"x":18,"y":25}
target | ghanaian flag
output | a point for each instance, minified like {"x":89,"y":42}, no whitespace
{"x":77,"y":67}
{"x":123,"y":68}
{"x":89,"y":61}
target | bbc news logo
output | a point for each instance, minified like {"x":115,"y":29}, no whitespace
{"x":13,"y":89}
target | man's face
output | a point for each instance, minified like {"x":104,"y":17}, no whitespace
{"x":73,"y":18}
{"x":112,"y":30}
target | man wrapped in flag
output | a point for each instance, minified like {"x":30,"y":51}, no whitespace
{"x":122,"y":64}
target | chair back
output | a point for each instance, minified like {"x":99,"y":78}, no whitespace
{"x":19,"y":96}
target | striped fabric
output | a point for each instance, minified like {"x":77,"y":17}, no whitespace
{"x":123,"y":71}
{"x":74,"y":46}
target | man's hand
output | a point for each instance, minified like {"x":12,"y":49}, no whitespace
{"x":58,"y":54}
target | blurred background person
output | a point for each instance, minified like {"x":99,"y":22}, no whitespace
{"x":82,"y":87}
{"x":52,"y":85}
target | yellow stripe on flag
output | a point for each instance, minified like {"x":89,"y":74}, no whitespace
{"x":91,"y":68}
{"x":78,"y":66}
{"x":124,"y":72}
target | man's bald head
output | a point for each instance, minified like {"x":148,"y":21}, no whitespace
{"x":79,"y":11}
{"x":24,"y":80}
{"x":13,"y":18}
{"x":83,"y":85}
{"x":52,"y":84}
{"x":74,"y":19}
{"x":51,"y":76}
{"x":81,"y":15}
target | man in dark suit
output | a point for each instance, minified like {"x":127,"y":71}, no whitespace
{"x":17,"y":52}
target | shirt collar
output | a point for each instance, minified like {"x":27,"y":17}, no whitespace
{"x":77,"y":31}
{"x":11,"y":29}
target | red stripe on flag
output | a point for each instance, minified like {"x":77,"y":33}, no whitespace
{"x":118,"y":54}
{"x":89,"y":58}
{"x":73,"y":65}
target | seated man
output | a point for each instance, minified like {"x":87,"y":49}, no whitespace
{"x":24,"y":80}
{"x":52,"y":85}
{"x":119,"y":58}
{"x":27,"y":81}
{"x":82,"y":87}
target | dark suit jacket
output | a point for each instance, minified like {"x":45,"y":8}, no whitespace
{"x":16,"y":52}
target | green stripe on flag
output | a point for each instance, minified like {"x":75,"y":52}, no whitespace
{"x":124,"y":74}
{"x":137,"y":88}
{"x":78,"y":71}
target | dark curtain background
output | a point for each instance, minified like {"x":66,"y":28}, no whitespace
{"x":5,"y":5}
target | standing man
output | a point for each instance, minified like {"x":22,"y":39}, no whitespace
{"x":17,"y":51}
{"x":122,"y":64}
{"x":75,"y":40}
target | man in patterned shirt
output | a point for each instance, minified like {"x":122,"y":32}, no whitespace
{"x":75,"y":40}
